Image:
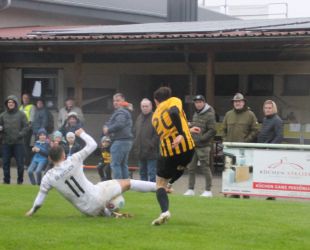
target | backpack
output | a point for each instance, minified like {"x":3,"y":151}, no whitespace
{"x":50,"y":122}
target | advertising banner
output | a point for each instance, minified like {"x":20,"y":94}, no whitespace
{"x":267,"y":172}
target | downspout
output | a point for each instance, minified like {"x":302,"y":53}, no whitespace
{"x":4,"y":4}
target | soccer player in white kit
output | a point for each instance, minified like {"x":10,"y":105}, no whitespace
{"x":68,"y":178}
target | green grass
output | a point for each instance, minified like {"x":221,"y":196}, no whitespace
{"x":196,"y":223}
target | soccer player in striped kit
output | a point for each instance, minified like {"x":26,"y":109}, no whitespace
{"x":176,"y":145}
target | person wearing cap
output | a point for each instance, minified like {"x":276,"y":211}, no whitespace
{"x":40,"y":117}
{"x":202,"y":128}
{"x":64,"y":112}
{"x":72,"y":124}
{"x":146,"y":142}
{"x":103,"y":167}
{"x":13,"y":127}
{"x":71,"y":146}
{"x":119,"y":129}
{"x":39,"y":160}
{"x":240,"y":123}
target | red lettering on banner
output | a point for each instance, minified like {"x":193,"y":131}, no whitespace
{"x":283,"y":187}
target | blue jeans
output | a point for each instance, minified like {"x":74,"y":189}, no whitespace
{"x":147,"y":170}
{"x":119,"y":162}
{"x":36,"y":167}
{"x":16,"y":151}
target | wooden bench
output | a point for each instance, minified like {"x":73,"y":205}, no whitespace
{"x":131,"y":169}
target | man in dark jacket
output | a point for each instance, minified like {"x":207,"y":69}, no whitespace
{"x":119,"y":129}
{"x":146,"y":143}
{"x":203,"y":130}
{"x":40,"y":117}
{"x":13,"y":125}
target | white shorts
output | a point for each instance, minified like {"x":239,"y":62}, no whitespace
{"x":106,"y":191}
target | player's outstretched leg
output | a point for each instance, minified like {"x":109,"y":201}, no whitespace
{"x":137,"y":185}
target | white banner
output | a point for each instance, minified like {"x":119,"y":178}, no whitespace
{"x":267,"y":172}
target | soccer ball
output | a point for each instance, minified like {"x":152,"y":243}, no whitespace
{"x":116,"y":204}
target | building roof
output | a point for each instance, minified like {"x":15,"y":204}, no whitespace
{"x":190,"y":31}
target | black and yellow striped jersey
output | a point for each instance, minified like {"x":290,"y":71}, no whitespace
{"x":168,"y":132}
{"x":106,"y":157}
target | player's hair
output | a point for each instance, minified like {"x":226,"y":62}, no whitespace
{"x":274,"y":106}
{"x":162,"y":94}
{"x":55,"y":153}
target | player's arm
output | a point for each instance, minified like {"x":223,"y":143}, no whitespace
{"x":90,"y":146}
{"x":38,"y":202}
{"x":174,"y":114}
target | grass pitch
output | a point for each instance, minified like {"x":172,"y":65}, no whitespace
{"x":196,"y":223}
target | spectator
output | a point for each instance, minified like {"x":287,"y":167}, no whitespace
{"x":64,"y":112}
{"x":104,"y":166}
{"x":240,"y":124}
{"x":176,"y":145}
{"x":40,"y":117}
{"x":119,"y":129}
{"x":56,"y":139}
{"x":39,"y":160}
{"x":272,"y":127}
{"x":71,"y":146}
{"x":29,"y":110}
{"x":203,"y":130}
{"x":146,"y":142}
{"x":13,"y":124}
{"x":72,"y":124}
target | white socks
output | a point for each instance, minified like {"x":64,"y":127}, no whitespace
{"x":142,"y":186}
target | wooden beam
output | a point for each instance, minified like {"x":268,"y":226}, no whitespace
{"x":210,"y":88}
{"x":78,"y":79}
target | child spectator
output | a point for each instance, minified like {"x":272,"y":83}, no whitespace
{"x":39,"y":160}
{"x":57,"y":139}
{"x":71,"y":146}
{"x":104,"y":169}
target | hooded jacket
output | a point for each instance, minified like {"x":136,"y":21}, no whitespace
{"x":205,"y":120}
{"x":14,"y":123}
{"x":240,"y":126}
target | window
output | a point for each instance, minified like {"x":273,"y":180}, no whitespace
{"x":260,"y":85}
{"x":226,"y":85}
{"x":41,"y":83}
{"x":95,"y":100}
{"x":296,"y":85}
